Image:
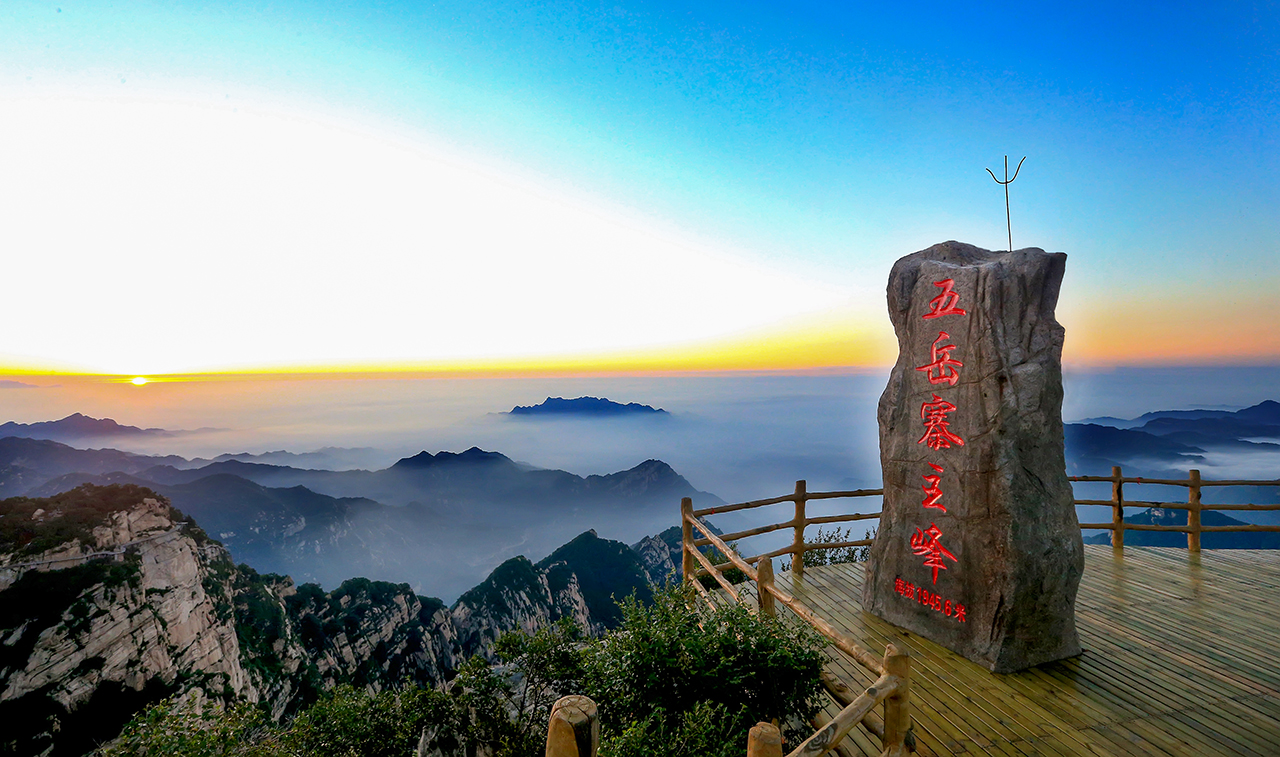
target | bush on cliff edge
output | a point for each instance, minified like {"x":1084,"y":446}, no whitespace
{"x":693,"y":683}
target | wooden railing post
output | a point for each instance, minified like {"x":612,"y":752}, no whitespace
{"x":764,"y":740}
{"x":897,"y":708}
{"x":764,"y":582}
{"x":686,"y":539}
{"x":797,"y":545}
{"x":574,"y":730}
{"x":1193,"y":514}
{"x":1117,"y":508}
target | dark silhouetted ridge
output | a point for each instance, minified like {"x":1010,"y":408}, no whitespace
{"x":586,"y":406}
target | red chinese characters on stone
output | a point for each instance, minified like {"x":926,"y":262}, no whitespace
{"x":942,"y":367}
{"x":931,"y":600}
{"x":945,"y":303}
{"x":937,"y":435}
{"x":933,"y":491}
{"x":926,"y":544}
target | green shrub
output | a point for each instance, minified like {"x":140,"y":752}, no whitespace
{"x":814,"y":558}
{"x":348,"y":722}
{"x":707,"y":730}
{"x":666,"y":661}
{"x":169,"y":730}
{"x":697,"y":683}
{"x":693,"y":683}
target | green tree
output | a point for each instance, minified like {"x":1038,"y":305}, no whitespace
{"x":175,"y":729}
{"x":348,"y":722}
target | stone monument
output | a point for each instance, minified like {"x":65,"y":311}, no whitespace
{"x":979,"y":548}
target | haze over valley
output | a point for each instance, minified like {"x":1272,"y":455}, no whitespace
{"x":485,"y":485}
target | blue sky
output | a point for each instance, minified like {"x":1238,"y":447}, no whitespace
{"x":821,"y":141}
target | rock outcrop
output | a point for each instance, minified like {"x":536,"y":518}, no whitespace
{"x":111,"y":599}
{"x":73,"y":634}
{"x":517,"y":596}
{"x":661,"y":559}
{"x":979,"y":548}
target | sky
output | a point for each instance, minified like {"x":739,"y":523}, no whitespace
{"x":627,"y":186}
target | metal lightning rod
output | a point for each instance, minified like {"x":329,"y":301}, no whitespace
{"x":1007,"y":181}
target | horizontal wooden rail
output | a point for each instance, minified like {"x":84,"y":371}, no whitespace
{"x":788,"y":550}
{"x":1134,"y":503}
{"x":837,"y":545}
{"x":844,"y":696}
{"x":744,"y":505}
{"x":829,"y":735}
{"x":839,"y":495}
{"x":807,"y":497}
{"x":744,"y":534}
{"x":717,"y":575}
{"x":848,"y":518}
{"x":841,"y":642}
{"x":1146,"y":527}
{"x":725,"y":549}
{"x":753,"y":560}
{"x":1241,"y":483}
{"x":1171,"y":482}
{"x":1175,"y":505}
{"x":1131,"y":480}
{"x":1194,"y":507}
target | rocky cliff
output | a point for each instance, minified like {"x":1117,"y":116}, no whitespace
{"x":106,"y":604}
{"x":111,"y":599}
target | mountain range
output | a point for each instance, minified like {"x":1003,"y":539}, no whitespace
{"x":440,"y":521}
{"x":76,"y":428}
{"x":1165,"y":444}
{"x":1234,"y":429}
{"x":144,"y":605}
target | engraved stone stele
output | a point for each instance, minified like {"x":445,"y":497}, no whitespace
{"x":979,"y":548}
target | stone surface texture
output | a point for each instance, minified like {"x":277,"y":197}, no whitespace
{"x":1009,"y":521}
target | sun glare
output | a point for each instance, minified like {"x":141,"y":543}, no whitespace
{"x":321,"y":213}
{"x":139,"y":380}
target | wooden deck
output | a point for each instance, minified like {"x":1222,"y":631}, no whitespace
{"x":1180,"y":659}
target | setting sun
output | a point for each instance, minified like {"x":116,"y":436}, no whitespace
{"x":138,"y":380}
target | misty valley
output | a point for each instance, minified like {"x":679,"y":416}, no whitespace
{"x":441,"y":522}
{"x":127,"y":576}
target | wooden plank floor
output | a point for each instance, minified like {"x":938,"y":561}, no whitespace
{"x":1181,"y":658}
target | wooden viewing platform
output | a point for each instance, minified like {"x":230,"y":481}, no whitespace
{"x":1182,"y":657}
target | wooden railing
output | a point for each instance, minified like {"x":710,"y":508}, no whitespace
{"x":892,"y":688}
{"x":798,"y":545}
{"x":1194,"y":507}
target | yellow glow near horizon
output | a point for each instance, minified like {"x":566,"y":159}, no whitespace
{"x":260,"y":240}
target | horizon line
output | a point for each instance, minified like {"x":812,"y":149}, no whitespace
{"x":569,"y":369}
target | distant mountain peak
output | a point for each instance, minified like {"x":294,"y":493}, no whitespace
{"x":472,"y":456}
{"x":75,"y":426}
{"x":586,"y":407}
